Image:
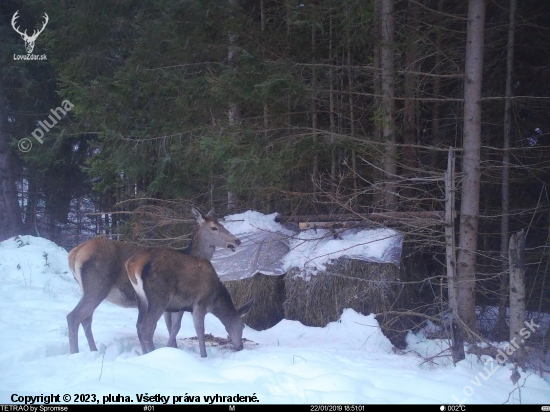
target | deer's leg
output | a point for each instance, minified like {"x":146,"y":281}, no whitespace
{"x":87,"y":326}
{"x":168,"y":320}
{"x":146,"y":324}
{"x":144,"y":334}
{"x":83,"y":310}
{"x":199,"y":313}
{"x":175,"y":325}
{"x":140,"y":326}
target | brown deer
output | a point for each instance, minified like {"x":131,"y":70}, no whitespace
{"x":98,"y":266}
{"x":167,"y":281}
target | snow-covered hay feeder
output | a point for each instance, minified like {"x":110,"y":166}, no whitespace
{"x":323,"y":273}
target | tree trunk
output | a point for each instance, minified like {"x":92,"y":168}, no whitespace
{"x":314,"y":125}
{"x":331,"y":102}
{"x":234,"y":112}
{"x":10,"y":212}
{"x":517,"y":295}
{"x":99,"y":221}
{"x":378,"y":198}
{"x":546,"y":344}
{"x":436,"y":109}
{"x":262,"y":14}
{"x":469,"y":209}
{"x":33,"y":197}
{"x":388,"y":103}
{"x":457,"y":345}
{"x":78,"y":214}
{"x":288,"y":33}
{"x":352,"y":131}
{"x":409,"y":120}
{"x":504,"y":226}
{"x":266,"y":109}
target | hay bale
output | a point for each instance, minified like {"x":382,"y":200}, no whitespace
{"x":366,"y":287}
{"x":316,"y":300}
{"x":268,"y":293}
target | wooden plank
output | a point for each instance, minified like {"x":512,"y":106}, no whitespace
{"x":333,"y":225}
{"x":424,"y":215}
{"x":397,"y":216}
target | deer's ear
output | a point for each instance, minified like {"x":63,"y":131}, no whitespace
{"x":197,"y":215}
{"x":244,"y":309}
{"x":211,"y":214}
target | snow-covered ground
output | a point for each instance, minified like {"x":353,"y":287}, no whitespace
{"x":348,"y":361}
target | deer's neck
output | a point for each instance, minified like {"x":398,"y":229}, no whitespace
{"x":223,"y":307}
{"x":198,"y":248}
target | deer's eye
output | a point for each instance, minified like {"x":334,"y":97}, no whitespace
{"x":214,"y":228}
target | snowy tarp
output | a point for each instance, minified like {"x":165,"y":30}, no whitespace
{"x":270,"y":248}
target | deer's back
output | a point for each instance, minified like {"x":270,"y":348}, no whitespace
{"x":187,"y":279}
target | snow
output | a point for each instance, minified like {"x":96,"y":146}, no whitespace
{"x":349,"y":361}
{"x":272,"y":249}
{"x":314,"y":248}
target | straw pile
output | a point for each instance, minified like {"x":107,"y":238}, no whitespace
{"x":366,"y":287}
{"x":268,"y":293}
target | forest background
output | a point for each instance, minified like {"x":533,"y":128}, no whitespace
{"x":340,"y":108}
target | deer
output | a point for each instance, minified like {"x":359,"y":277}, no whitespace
{"x":98,"y":267}
{"x":167,"y":281}
{"x":29,"y":40}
